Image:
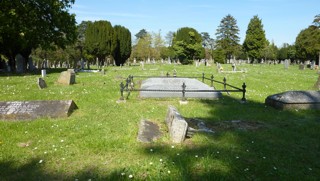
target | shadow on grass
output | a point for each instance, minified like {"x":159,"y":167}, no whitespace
{"x":286,"y":147}
{"x":33,"y":170}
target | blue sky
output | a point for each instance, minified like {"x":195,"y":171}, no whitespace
{"x":282,"y":19}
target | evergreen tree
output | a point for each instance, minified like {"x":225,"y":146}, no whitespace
{"x":308,"y":43}
{"x":228,"y":36}
{"x":100,"y":40}
{"x":255,"y":40}
{"x":122,"y":49}
{"x":187,"y":44}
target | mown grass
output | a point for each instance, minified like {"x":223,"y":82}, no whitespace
{"x":98,"y":141}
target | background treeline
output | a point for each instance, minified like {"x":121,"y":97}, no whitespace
{"x":47,"y":31}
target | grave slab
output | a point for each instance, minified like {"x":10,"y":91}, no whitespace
{"x":148,"y":131}
{"x":29,"y":110}
{"x":175,"y":84}
{"x":294,"y":100}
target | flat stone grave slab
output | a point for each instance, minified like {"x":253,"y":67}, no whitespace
{"x":163,"y":84}
{"x":28,"y":110}
{"x":148,"y":131}
{"x":295,"y":100}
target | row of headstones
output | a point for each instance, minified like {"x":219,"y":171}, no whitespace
{"x":66,"y":78}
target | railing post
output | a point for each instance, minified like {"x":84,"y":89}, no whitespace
{"x":202,"y":77}
{"x":225,"y":83}
{"x":131,"y":82}
{"x":183,"y":92}
{"x":244,"y":86}
{"x":212,"y":80}
{"x":168,"y":74}
{"x":121,"y":91}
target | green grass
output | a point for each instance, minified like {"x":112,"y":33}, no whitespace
{"x":98,"y":141}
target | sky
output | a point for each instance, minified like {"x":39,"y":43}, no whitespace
{"x":282,"y":19}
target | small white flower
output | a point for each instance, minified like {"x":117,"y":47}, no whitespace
{"x":178,"y":154}
{"x":275,"y":168}
{"x":264,"y":157}
{"x":45,"y":152}
{"x":237,"y":157}
{"x":150,"y":163}
{"x":252,"y":142}
{"x":172,"y":146}
{"x":26,"y":132}
{"x":161,"y":160}
{"x":246,"y":169}
{"x":247,"y":150}
{"x":63,"y":158}
{"x":62,"y":141}
{"x":169,"y":171}
{"x":123,"y":173}
{"x":40,"y":161}
{"x":76,"y":179}
{"x":130,"y":176}
{"x":196,"y":156}
{"x":35,"y":148}
{"x":218,"y":152}
{"x":151,"y":150}
{"x":310,"y":169}
{"x":55,"y":149}
{"x":89,"y":179}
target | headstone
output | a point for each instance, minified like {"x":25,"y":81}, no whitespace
{"x":301,"y":67}
{"x":148,"y":131}
{"x":41,"y":83}
{"x":294,"y":100}
{"x":20,"y":63}
{"x":176,"y":124}
{"x":28,"y":110}
{"x":82,"y":64}
{"x":30,"y":64}
{"x":286,"y":64}
{"x":67,"y":77}
{"x":43,"y":72}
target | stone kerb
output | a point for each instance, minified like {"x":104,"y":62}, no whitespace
{"x":177,"y":125}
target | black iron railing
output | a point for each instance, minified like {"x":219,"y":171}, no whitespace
{"x":129,"y":86}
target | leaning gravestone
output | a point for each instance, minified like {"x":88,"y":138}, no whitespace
{"x":148,"y":132}
{"x":67,"y":77}
{"x":294,"y":100}
{"x":28,"y":110}
{"x":177,"y":125}
{"x":41,"y":83}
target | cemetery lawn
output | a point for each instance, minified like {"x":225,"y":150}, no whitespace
{"x":99,"y":140}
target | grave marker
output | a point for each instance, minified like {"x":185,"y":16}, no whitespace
{"x":41,"y":83}
{"x":29,"y":110}
{"x":67,"y":77}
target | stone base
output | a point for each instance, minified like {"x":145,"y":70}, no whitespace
{"x":148,"y":132}
{"x":295,"y":100}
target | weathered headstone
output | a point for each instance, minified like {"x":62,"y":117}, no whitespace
{"x":148,"y":131}
{"x":20,"y":63}
{"x":28,"y":110}
{"x":41,"y":83}
{"x":67,"y":77}
{"x":294,"y":100}
{"x":301,"y":67}
{"x":176,"y":124}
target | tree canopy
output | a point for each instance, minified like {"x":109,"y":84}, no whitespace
{"x":228,"y":36}
{"x":26,"y":25}
{"x":122,"y":49}
{"x":255,"y":40}
{"x":187,"y":44}
{"x":308,"y":43}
